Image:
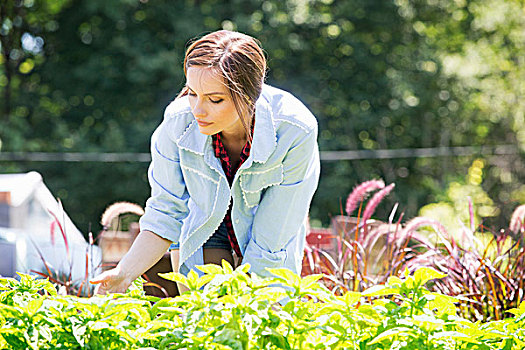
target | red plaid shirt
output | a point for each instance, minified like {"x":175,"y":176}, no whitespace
{"x":230,"y":170}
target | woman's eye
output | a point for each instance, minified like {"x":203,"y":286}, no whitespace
{"x":191,"y":94}
{"x":216,"y":101}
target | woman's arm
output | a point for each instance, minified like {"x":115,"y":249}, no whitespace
{"x":147,"y":249}
{"x":161,"y":223}
{"x":167,"y":205}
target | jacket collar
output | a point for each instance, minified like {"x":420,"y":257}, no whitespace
{"x":264,"y":136}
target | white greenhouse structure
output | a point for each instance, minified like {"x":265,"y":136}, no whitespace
{"x":31,"y":219}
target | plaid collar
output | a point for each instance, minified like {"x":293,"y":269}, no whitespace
{"x":222,"y":154}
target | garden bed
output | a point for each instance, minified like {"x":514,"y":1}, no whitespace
{"x":227,"y":309}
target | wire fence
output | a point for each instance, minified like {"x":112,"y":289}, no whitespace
{"x":497,"y":150}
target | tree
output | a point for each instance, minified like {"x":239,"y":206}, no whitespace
{"x":23,"y":23}
{"x":96,"y":76}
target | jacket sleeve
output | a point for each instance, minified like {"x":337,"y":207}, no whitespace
{"x":279,"y":226}
{"x":167,"y":205}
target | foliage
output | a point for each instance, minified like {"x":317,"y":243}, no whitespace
{"x":60,"y":276}
{"x":23,"y":26}
{"x":453,"y":208}
{"x":485,"y":269}
{"x":231,"y":309}
{"x":95,"y":76}
{"x":368,"y":251}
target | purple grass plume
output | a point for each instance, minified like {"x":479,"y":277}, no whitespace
{"x":517,"y":220}
{"x":360,"y":192}
{"x":374,"y":202}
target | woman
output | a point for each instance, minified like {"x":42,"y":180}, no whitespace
{"x":235,"y":164}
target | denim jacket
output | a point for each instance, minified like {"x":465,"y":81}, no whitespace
{"x":271,"y":191}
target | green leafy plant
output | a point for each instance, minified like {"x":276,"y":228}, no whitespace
{"x":234,"y":309}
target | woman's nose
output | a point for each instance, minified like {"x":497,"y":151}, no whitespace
{"x":198,"y":111}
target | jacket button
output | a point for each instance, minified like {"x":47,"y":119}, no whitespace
{"x":236,"y":221}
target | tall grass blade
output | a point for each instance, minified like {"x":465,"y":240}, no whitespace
{"x":62,"y":231}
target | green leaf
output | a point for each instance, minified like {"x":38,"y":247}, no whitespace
{"x":50,"y":288}
{"x":201,"y":281}
{"x":310,"y":280}
{"x":10,"y":311}
{"x":244,"y":267}
{"x":392,"y":333}
{"x":25,"y":279}
{"x":518,"y":311}
{"x":98,"y":325}
{"x":286,"y":275}
{"x":175,"y":277}
{"x":154,"y":310}
{"x":424,"y":274}
{"x":227,"y":299}
{"x":78,"y":332}
{"x":350,"y":298}
{"x":442,"y":304}
{"x":33,"y":306}
{"x":193,"y":278}
{"x":452,"y":335}
{"x":428,"y":323}
{"x":394,"y":281}
{"x":137,"y":287}
{"x":226,"y":266}
{"x":270,"y":294}
{"x":211,"y":269}
{"x":7,"y":283}
{"x":379,"y":290}
{"x":277,"y":339}
{"x":233,"y":338}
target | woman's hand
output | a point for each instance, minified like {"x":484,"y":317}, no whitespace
{"x":146,"y":250}
{"x":111,"y":281}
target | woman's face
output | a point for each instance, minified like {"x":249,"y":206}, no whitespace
{"x":211,"y":103}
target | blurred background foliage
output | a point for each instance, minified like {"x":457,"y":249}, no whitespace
{"x":95,"y":76}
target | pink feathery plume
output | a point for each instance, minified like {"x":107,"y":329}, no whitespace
{"x":374,"y":202}
{"x":517,"y":220}
{"x":360,"y":192}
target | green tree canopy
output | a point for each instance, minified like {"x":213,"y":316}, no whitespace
{"x":95,"y":76}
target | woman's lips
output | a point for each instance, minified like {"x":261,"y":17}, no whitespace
{"x":202,"y":123}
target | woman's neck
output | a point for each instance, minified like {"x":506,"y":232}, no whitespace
{"x":233,"y":143}
{"x":235,"y":139}
{"x":236,"y":136}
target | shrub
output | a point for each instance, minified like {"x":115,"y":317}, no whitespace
{"x":485,"y":269}
{"x":231,"y":309}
